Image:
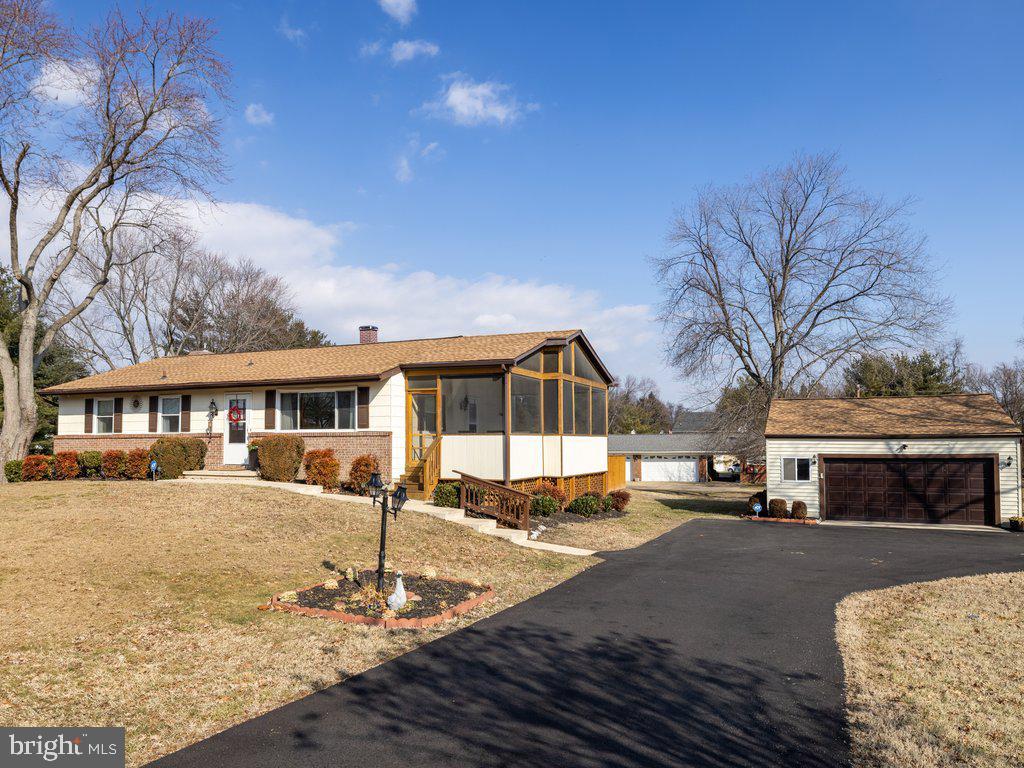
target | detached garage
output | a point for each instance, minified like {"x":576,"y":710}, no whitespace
{"x":663,"y":458}
{"x":951,"y":459}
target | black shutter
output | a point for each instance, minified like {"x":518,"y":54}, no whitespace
{"x":118,"y":411}
{"x":154,"y":412}
{"x":270,"y":410}
{"x":186,"y":413}
{"x":88,"y":415}
{"x":363,"y":408}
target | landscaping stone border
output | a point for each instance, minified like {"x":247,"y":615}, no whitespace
{"x":806,"y":521}
{"x":397,"y":623}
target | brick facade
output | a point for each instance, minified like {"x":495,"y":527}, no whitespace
{"x":346,"y":446}
{"x":122,"y":442}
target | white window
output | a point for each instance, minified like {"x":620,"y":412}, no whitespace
{"x":318,"y":410}
{"x":798,"y":470}
{"x":104,"y":417}
{"x":170,"y":414}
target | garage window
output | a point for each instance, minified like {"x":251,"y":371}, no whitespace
{"x":796,"y":469}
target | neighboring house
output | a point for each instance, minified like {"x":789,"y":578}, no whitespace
{"x":942,"y":459}
{"x":512,"y":408}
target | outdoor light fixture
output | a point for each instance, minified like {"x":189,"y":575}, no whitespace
{"x":902,"y":448}
{"x":375,"y":485}
{"x":399,"y":496}
{"x":1009,"y":461}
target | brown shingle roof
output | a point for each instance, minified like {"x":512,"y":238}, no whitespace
{"x":945,"y":415}
{"x":348,"y":362}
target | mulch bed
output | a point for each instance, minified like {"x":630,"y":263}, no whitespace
{"x":805,"y":521}
{"x":431,"y":601}
{"x":564,"y":517}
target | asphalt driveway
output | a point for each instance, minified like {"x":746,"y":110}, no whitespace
{"x":710,"y":646}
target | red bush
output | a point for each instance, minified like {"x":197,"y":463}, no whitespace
{"x":136,"y":464}
{"x":112,"y":465}
{"x":362,"y":467}
{"x":324,"y":471}
{"x":544,"y":488}
{"x":620,"y":499}
{"x":65,"y":465}
{"x":36,"y":468}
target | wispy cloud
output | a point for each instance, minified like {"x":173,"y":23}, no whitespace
{"x":407,"y":50}
{"x":401,"y":11}
{"x":257,"y":114}
{"x":465,"y":101}
{"x":292,"y":34}
{"x":414,"y":152}
{"x":371,"y":49}
{"x":65,"y":85}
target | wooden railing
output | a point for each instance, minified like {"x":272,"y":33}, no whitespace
{"x":507,"y":505}
{"x":431,"y":468}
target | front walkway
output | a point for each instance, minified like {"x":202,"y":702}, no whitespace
{"x":711,"y":646}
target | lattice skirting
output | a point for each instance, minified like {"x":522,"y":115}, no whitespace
{"x":574,"y":486}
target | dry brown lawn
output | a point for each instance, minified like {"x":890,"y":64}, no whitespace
{"x":932,"y":674}
{"x":653,"y":511}
{"x":134,"y":604}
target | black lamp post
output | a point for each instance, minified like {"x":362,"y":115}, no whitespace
{"x":379,"y":492}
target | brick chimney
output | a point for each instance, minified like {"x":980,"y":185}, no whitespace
{"x":367,"y":334}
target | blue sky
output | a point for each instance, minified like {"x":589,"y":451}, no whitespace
{"x":510,"y":165}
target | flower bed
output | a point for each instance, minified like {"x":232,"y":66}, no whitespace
{"x":806,"y":521}
{"x":431,"y":600}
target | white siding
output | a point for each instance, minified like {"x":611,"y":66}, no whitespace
{"x":480,"y":455}
{"x":552,"y":456}
{"x":527,"y":456}
{"x":777,"y":448}
{"x":395,"y":389}
{"x":584,"y":455}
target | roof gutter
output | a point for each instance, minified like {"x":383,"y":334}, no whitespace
{"x":890,"y":436}
{"x":174,"y":386}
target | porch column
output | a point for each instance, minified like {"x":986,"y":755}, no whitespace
{"x":507,"y":381}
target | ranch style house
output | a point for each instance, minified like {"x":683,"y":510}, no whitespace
{"x":512,"y":408}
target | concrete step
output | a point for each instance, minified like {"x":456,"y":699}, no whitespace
{"x":511,"y":534}
{"x":478,"y":524}
{"x":221,"y":473}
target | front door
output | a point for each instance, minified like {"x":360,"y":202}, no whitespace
{"x":236,"y":434}
{"x":424,"y":423}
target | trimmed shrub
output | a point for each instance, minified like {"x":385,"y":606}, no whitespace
{"x":620,"y":500}
{"x":543,"y":505}
{"x":136,"y":464}
{"x":322,"y":468}
{"x":112,"y":464}
{"x":586,"y":505}
{"x":36,"y":468}
{"x":1016,"y":524}
{"x":778,"y":508}
{"x":799,"y":510}
{"x":360,"y":471}
{"x":608,"y":503}
{"x":89,"y":463}
{"x":280,"y":457}
{"x":544,"y":488}
{"x":65,"y":465}
{"x":12,"y":471}
{"x":758,"y":498}
{"x":171,"y":456}
{"x":195,"y":452}
{"x":446,"y":495}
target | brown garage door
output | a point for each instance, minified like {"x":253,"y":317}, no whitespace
{"x":910,"y":490}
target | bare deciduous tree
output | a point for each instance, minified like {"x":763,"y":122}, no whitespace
{"x":171,"y":297}
{"x":777,"y":281}
{"x":139,"y":129}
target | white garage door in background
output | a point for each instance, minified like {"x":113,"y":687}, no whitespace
{"x":668,"y":469}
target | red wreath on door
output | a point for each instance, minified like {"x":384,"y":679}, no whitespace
{"x":234,"y":414}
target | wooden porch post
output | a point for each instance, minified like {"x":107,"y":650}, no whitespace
{"x":507,"y":379}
